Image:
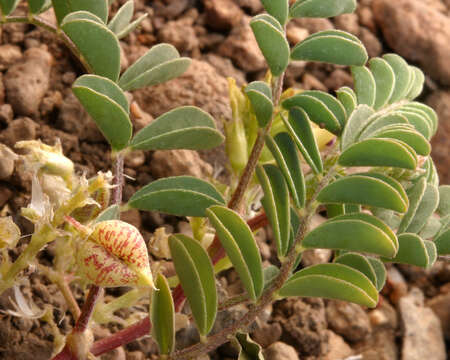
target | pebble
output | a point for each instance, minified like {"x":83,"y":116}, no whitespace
{"x":280,"y":351}
{"x":7,"y":159}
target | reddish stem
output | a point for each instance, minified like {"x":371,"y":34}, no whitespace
{"x":88,"y":307}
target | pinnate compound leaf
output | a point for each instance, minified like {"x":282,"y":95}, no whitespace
{"x":160,"y":64}
{"x":276,"y":204}
{"x":8,"y":6}
{"x":272,"y":41}
{"x":357,"y":121}
{"x":64,"y":7}
{"x":279,"y":9}
{"x":162,"y":316}
{"x":414,"y":251}
{"x":365,"y":85}
{"x":331,"y":46}
{"x":178,"y":195}
{"x":195,"y":271}
{"x":38,"y":6}
{"x":299,"y":127}
{"x":385,"y":81}
{"x":317,"y":110}
{"x":98,"y":45}
{"x":260,"y":96}
{"x":360,"y":263}
{"x":285,"y":154}
{"x":352,"y":234}
{"x":379,"y":152}
{"x":332,"y":281}
{"x":107,"y":105}
{"x":322,"y":8}
{"x":415,"y":195}
{"x":239,"y":244}
{"x":186,"y":127}
{"x":427,"y":206}
{"x":364,"y":189}
{"x":444,"y":200}
{"x":442,"y":243}
{"x":402,"y":76}
{"x":348,"y":99}
{"x":248,"y":349}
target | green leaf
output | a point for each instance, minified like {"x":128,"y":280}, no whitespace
{"x":385,"y":81}
{"x":65,"y":7}
{"x":110,"y":213}
{"x":390,"y":181}
{"x":402,"y":76}
{"x":414,"y":251}
{"x":162,"y":316}
{"x":380,"y":272}
{"x":331,"y":46}
{"x":260,"y":96}
{"x":332,"y":281}
{"x":270,"y":273}
{"x":351,"y":234}
{"x":332,"y":103}
{"x":431,"y":172}
{"x":98,"y":45}
{"x":272,"y":41}
{"x":122,"y":17}
{"x":276,"y":204}
{"x":334,"y":210}
{"x":365,"y":85}
{"x":426,"y":110}
{"x":416,"y":85}
{"x":160,"y":64}
{"x":360,"y":263}
{"x":415,"y":195}
{"x":316,"y":109}
{"x":442,"y":243}
{"x":299,"y":127}
{"x":131,"y":27}
{"x":285,"y":154}
{"x":444,"y":200}
{"x":82,"y":15}
{"x":379,"y":152}
{"x":196,"y":274}
{"x":322,"y":8}
{"x":279,"y":9}
{"x":178,"y":195}
{"x":348,"y":99}
{"x":248,"y":349}
{"x":421,"y":123}
{"x":431,"y":228}
{"x":364,"y":190}
{"x":38,"y":6}
{"x":428,"y":205}
{"x":379,"y":123}
{"x":357,"y":121}
{"x":186,"y":127}
{"x":238,"y":241}
{"x":8,"y":6}
{"x":411,"y":137}
{"x":107,"y":105}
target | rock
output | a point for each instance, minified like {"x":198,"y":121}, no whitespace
{"x":179,"y":162}
{"x":310,"y":82}
{"x":371,"y":42}
{"x":440,"y":304}
{"x":337,"y":79}
{"x":225,"y":68}
{"x":440,"y":101}
{"x":6,"y":114}
{"x":135,"y":159}
{"x":348,"y":320}
{"x":241,"y":47}
{"x":5,"y":195}
{"x":266,"y":334}
{"x":200,"y":86}
{"x":7,"y":159}
{"x":422,"y":329}
{"x":295,"y":33}
{"x":395,"y":284}
{"x":304,"y":325}
{"x":222,"y":14}
{"x":254,"y":6}
{"x":19,"y":129}
{"x":338,"y":349}
{"x":2,"y":90}
{"x":347,"y":22}
{"x":417,"y":32}
{"x":75,"y":120}
{"x":280,"y":351}
{"x":9,"y":55}
{"x":27,"y":82}
{"x":313,"y":25}
{"x":132,"y":217}
{"x":139,"y":117}
{"x":180,"y":34}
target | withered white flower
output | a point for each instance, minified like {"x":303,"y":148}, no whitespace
{"x":22,"y":308}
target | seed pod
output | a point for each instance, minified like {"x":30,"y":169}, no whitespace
{"x":115,"y":254}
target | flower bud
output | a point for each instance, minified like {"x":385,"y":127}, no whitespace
{"x":115,"y":254}
{"x":9,"y":233}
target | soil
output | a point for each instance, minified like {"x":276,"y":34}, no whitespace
{"x":36,"y":102}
